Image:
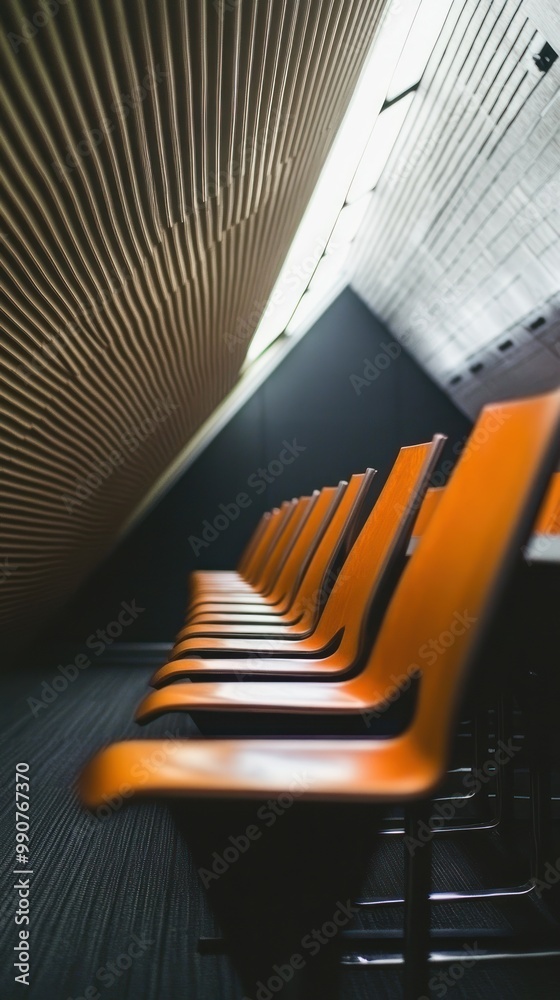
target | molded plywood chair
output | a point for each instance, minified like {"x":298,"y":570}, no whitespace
{"x":257,"y":562}
{"x":271,"y":553}
{"x":302,"y":551}
{"x":262,"y":587}
{"x":493,"y":496}
{"x":363,"y":587}
{"x":238,"y":630}
{"x":244,"y":563}
{"x":317,"y":577}
{"x":281,"y":547}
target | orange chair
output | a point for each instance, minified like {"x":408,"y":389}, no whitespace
{"x":316,"y":579}
{"x":300,"y":556}
{"x":232,"y":589}
{"x":427,"y":510}
{"x":231,"y":629}
{"x":493,"y":495}
{"x":273,"y":560}
{"x":256,"y":563}
{"x":548,"y":520}
{"x":306,"y":541}
{"x":251,"y":546}
{"x":360,"y":592}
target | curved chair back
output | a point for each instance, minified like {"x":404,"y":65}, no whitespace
{"x":450,"y":589}
{"x":306,"y":543}
{"x":321,"y":572}
{"x":370,"y":572}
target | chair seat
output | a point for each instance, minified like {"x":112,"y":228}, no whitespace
{"x":213,"y":646}
{"x":236,"y":603}
{"x":326,"y":769}
{"x":351,"y":697}
{"x":270,"y":630}
{"x":249,"y":613}
{"x":213,"y":669}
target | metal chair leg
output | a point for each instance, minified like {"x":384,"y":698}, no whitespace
{"x":539,"y":791}
{"x":418,"y":877}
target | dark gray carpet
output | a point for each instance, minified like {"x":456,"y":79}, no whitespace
{"x":100,"y":887}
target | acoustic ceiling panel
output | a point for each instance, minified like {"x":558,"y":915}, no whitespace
{"x":159,"y":157}
{"x":460,"y":250}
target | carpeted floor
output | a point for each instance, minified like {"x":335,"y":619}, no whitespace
{"x":117,"y":905}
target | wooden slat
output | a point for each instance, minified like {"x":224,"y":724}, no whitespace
{"x":159,"y":158}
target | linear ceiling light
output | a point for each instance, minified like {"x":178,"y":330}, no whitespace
{"x":378,"y":149}
{"x":327,"y":210}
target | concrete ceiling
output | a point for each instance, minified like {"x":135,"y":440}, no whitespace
{"x":460,"y":250}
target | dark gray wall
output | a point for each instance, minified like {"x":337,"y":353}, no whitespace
{"x":319,"y":398}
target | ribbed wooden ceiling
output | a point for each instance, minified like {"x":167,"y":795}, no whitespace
{"x":159,"y":157}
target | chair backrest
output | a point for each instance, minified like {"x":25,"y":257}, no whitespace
{"x":285,"y":541}
{"x":427,"y":510}
{"x":268,"y":540}
{"x":307,"y":541}
{"x":277,"y":515}
{"x":548,"y":519}
{"x":319,"y":577}
{"x":245,"y":558}
{"x":452,"y":585}
{"x":378,"y":554}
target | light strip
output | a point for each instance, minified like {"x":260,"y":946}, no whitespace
{"x":379,"y":147}
{"x":419,"y":45}
{"x":403,"y":21}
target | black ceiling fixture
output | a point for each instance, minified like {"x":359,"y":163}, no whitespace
{"x":538,"y":322}
{"x":545,"y":58}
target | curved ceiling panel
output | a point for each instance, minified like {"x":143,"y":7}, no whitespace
{"x":159,"y":158}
